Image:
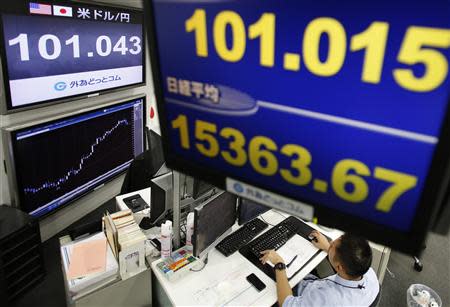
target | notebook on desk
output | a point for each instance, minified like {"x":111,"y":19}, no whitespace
{"x":296,"y":253}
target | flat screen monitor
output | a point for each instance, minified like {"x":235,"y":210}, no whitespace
{"x":310,"y":109}
{"x":161,"y":197}
{"x":54,"y":51}
{"x":53,"y":162}
{"x":200,"y":188}
{"x":249,"y":210}
{"x":212,"y":222}
{"x":161,"y":194}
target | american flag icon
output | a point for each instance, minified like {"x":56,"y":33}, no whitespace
{"x":42,"y":9}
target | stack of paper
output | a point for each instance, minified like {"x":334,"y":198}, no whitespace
{"x":127,"y":242}
{"x":87,"y":258}
{"x":122,"y":230}
{"x":88,"y":265}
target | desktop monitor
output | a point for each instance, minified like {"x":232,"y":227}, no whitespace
{"x":50,"y":163}
{"x":309,"y":109}
{"x":249,"y":210}
{"x":65,"y":50}
{"x":161,"y":197}
{"x":200,"y":188}
{"x":161,"y":194}
{"x":212,"y":222}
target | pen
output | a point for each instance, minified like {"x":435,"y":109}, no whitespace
{"x":292,"y":261}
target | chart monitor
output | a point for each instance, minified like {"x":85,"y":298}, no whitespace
{"x":52,"y":163}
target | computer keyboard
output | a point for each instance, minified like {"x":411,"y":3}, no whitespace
{"x":278,"y":235}
{"x":240,"y":237}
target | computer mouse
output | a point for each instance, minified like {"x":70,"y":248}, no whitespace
{"x":312,"y":238}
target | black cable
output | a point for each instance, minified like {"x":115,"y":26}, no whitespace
{"x":183,"y":228}
{"x":266,"y":221}
{"x":213,"y":192}
{"x":184,"y":188}
{"x":357,"y":287}
{"x":360,"y":287}
{"x":279,"y":213}
{"x":205,"y":263}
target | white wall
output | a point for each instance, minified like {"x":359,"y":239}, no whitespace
{"x":66,"y":216}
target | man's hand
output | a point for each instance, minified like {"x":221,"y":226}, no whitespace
{"x":283,"y":287}
{"x":270,"y":255}
{"x":320,"y":241}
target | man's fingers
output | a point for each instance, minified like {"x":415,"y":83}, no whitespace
{"x":265,"y":256}
{"x":263,"y":259}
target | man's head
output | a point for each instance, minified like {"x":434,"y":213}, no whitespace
{"x":350,"y":256}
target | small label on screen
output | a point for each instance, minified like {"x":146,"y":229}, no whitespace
{"x":270,"y":199}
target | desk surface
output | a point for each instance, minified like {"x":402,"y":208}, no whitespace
{"x":223,"y":278}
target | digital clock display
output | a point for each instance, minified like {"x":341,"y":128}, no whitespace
{"x":58,"y":51}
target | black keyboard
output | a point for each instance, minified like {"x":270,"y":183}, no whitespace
{"x":278,"y":235}
{"x":241,"y":237}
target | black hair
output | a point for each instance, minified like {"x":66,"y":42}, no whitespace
{"x":355,"y":254}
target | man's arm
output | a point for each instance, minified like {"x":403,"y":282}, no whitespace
{"x":320,"y":241}
{"x":283,"y":287}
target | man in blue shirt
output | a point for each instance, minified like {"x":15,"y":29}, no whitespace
{"x":354,"y":284}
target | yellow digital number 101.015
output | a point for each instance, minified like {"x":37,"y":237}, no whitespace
{"x":418,"y":47}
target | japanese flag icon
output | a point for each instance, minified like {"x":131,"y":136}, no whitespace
{"x":64,"y":11}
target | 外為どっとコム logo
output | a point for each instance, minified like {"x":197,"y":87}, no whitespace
{"x":238,"y":188}
{"x":60,"y":86}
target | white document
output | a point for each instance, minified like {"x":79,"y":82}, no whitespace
{"x":298,"y":247}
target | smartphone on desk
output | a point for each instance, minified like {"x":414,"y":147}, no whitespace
{"x":156,"y":243}
{"x":256,"y":282}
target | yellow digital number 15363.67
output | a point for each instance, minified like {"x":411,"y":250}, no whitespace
{"x":348,"y":177}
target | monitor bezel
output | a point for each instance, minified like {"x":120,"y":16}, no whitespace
{"x":196,"y":193}
{"x":8,"y":134}
{"x":410,"y":242}
{"x":6,"y":101}
{"x":240,"y":208}
{"x":164,"y":184}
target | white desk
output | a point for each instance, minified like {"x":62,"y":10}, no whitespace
{"x":191,"y":290}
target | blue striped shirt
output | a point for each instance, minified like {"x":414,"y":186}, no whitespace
{"x":335,"y":291}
